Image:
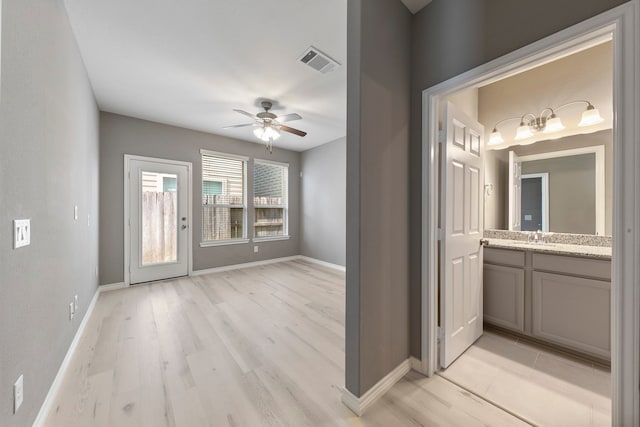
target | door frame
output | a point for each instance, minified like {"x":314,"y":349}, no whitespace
{"x":621,"y":24}
{"x":127,"y":209}
{"x":544,"y":187}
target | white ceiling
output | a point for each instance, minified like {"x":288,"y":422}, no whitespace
{"x":190,"y":62}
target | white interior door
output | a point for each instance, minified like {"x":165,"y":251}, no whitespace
{"x":158,"y":220}
{"x":462,"y":223}
{"x":515,"y":192}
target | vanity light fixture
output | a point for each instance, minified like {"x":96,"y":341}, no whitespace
{"x":546,"y":121}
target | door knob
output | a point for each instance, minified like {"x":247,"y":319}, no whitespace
{"x":484,"y":242}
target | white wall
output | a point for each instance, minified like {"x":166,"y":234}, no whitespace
{"x":324,"y":178}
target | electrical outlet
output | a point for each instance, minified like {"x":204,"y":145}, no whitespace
{"x":21,"y":233}
{"x":255,"y":249}
{"x":75,"y":303}
{"x":71,"y":311}
{"x":18,"y":394}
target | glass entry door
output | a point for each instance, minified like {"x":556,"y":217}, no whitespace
{"x":158,"y":219}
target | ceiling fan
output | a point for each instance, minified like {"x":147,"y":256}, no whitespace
{"x":268,"y":125}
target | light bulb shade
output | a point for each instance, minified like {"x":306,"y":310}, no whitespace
{"x":591,"y":116}
{"x":523,"y":132}
{"x":265,"y":133}
{"x":495,"y":138}
{"x":554,"y":124}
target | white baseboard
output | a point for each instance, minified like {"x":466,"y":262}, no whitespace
{"x":112,"y":287}
{"x":359,"y":405}
{"x":57,"y":381}
{"x":244,"y":265}
{"x":324,"y":263}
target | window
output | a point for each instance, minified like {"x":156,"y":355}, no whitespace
{"x":223,"y":197}
{"x":270,"y":193}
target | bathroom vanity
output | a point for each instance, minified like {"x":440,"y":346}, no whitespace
{"x":555,"y":292}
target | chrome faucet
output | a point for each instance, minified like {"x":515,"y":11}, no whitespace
{"x":535,"y":237}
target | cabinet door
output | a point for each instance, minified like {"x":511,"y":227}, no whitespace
{"x":503,"y":297}
{"x":573,"y":311}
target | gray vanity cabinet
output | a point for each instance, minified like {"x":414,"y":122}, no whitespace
{"x":564,"y":300}
{"x":571,"y":302}
{"x":503,"y":294}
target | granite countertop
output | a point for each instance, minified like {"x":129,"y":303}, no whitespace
{"x":601,"y":252}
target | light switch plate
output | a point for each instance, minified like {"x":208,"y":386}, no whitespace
{"x":75,"y":213}
{"x":21,"y":233}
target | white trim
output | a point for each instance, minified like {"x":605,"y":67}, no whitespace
{"x":126,"y":223}
{"x":223,"y":155}
{"x":323,"y":263}
{"x":270,"y":162}
{"x":598,"y":150}
{"x":212,"y":243}
{"x":544,"y":184}
{"x":243,"y":265}
{"x":47,"y":405}
{"x":359,"y":405}
{"x":270,"y":239}
{"x":112,"y":287}
{"x":622,"y":22}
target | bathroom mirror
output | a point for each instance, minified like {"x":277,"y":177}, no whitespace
{"x":561,"y":185}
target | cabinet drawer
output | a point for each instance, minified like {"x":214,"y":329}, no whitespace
{"x":503,"y":296}
{"x":504,"y":257}
{"x":587,"y":267}
{"x":572,"y":311}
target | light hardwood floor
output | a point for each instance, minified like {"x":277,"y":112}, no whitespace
{"x":261,"y":346}
{"x":545,"y":387}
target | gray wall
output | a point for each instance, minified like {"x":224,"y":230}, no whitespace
{"x":323,"y":200}
{"x":120,"y":135}
{"x":454,"y":36}
{"x":48,"y":164}
{"x":377,"y":323}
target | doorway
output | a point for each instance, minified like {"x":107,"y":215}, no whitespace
{"x":158,"y":218}
{"x":535,"y":202}
{"x":618,"y":26}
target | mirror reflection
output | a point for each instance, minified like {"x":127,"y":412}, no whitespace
{"x":562,"y":185}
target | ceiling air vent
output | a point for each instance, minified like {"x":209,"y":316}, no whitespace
{"x":319,"y":61}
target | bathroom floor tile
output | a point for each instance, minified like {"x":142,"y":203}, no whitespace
{"x":543,"y":387}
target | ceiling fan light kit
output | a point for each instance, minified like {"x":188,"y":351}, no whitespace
{"x":546,"y":122}
{"x":266,"y":132}
{"x":268,"y":125}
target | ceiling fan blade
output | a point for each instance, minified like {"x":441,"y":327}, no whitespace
{"x":244,"y":113}
{"x":240,"y":126}
{"x":288,"y":118}
{"x":292,"y":130}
